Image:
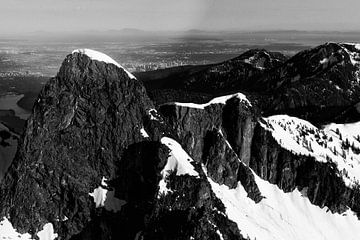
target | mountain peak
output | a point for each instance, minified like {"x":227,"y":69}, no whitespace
{"x":94,"y":109}
{"x":101,"y":57}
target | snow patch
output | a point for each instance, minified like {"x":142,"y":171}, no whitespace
{"x":178,"y":161}
{"x":249,"y":60}
{"x":144,"y":133}
{"x":47,"y":233}
{"x":337,"y":143}
{"x":65,"y":218}
{"x":99,"y":194}
{"x":154,"y":115}
{"x":218,"y":100}
{"x":163,"y":189}
{"x":226,"y":141}
{"x":284,"y":216}
{"x":217,"y":230}
{"x":101,"y":57}
{"x":105,"y":198}
{"x":7,"y":231}
{"x":323,"y":61}
{"x":220,"y":235}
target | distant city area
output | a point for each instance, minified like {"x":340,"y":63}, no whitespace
{"x":42,"y":54}
{"x":143,"y":67}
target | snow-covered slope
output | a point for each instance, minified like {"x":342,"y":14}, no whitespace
{"x":178,"y":161}
{"x":350,"y":131}
{"x":284,"y":216}
{"x":98,"y":56}
{"x":337,"y":143}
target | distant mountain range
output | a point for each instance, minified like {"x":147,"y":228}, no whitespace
{"x":232,"y":33}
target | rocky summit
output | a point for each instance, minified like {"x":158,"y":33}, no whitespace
{"x":254,"y":157}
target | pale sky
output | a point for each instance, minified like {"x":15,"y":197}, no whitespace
{"x":20,"y":16}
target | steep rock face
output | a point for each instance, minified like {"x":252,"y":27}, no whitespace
{"x":219,"y":134}
{"x":239,"y":121}
{"x":225,"y":167}
{"x":85,"y":121}
{"x":220,"y":161}
{"x":237,"y":118}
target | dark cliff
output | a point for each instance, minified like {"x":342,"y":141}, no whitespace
{"x":256,"y":148}
{"x":83,"y":124}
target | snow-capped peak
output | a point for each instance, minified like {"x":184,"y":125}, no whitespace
{"x":101,"y":57}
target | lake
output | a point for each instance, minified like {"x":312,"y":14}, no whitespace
{"x":9,"y":101}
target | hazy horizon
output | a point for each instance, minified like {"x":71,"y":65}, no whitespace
{"x":27,"y":16}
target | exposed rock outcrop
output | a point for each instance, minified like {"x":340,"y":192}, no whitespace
{"x":83,"y":125}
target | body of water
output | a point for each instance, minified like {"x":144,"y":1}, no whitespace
{"x":9,"y":102}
